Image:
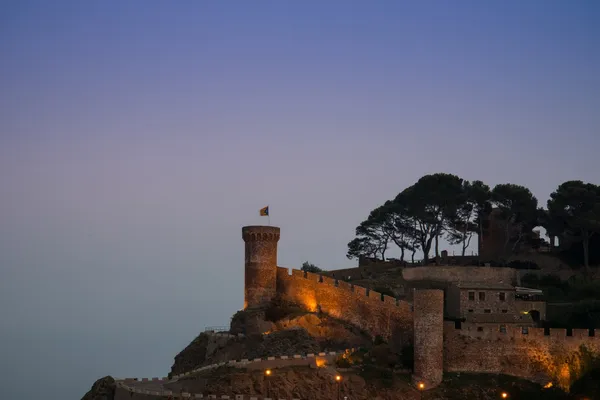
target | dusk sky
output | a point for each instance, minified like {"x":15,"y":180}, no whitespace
{"x":138,"y":137}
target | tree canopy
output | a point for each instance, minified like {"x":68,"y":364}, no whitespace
{"x":574,"y":210}
{"x":443,"y":205}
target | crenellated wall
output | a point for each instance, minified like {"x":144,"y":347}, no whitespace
{"x":481,"y":275}
{"x":375,"y":313}
{"x":538,"y":354}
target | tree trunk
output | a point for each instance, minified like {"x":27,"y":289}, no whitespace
{"x":437,"y":244}
{"x":426,"y":247}
{"x":586,"y":252}
{"x":413,"y":256}
{"x":402,"y":254}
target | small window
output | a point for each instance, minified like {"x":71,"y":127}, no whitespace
{"x":502,"y":296}
{"x":479,"y":329}
{"x":471,"y":296}
{"x":525,"y":330}
{"x":481,"y":296}
{"x":504,"y":311}
{"x":470,"y":310}
{"x":487,"y":311}
{"x":502,"y":329}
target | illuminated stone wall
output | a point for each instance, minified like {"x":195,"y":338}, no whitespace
{"x":260,"y":264}
{"x":531,"y":353}
{"x":375,"y":313}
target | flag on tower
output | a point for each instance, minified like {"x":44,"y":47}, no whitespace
{"x":264,"y":212}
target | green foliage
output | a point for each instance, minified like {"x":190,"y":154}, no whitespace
{"x":574,"y":212}
{"x":518,"y":209}
{"x":308,"y":267}
{"x":473,"y":204}
{"x":443,"y":204}
{"x":557,"y":290}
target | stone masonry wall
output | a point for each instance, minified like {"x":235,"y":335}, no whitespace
{"x":260,"y":262}
{"x":429,"y":336}
{"x":481,"y":275}
{"x":375,"y":313}
{"x":532,"y":353}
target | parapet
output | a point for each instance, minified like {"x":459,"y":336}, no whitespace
{"x":514,"y":332}
{"x":325,"y":280}
{"x":260,"y":232}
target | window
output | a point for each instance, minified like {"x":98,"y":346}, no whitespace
{"x":470,"y":310}
{"x":487,"y":311}
{"x":471,"y":296}
{"x":502,"y":329}
{"x":525,"y":330}
{"x":504,"y":311}
{"x":502,"y":296}
{"x":479,"y":329}
{"x":481,"y":296}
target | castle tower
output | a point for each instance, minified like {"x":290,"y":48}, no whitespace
{"x":428,"y":323}
{"x":260,"y":283}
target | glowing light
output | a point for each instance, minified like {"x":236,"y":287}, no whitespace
{"x":548,"y":385}
{"x":338,"y":378}
{"x":421,"y":386}
{"x":268,"y":372}
{"x":504,"y":395}
{"x":321,"y":362}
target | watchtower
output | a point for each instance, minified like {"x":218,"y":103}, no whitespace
{"x":428,"y":325}
{"x":260,"y":267}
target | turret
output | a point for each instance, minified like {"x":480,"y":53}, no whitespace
{"x":260,"y":267}
{"x":428,"y":325}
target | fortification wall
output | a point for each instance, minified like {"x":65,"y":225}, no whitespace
{"x":154,"y":388}
{"x":481,"y":275}
{"x":375,"y":313}
{"x":541,"y":355}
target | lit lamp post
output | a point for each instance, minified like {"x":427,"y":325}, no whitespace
{"x":504,"y":395}
{"x":267,"y":375}
{"x":421,"y":387}
{"x":338,"y":379}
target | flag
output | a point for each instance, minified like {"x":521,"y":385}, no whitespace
{"x":264,"y":212}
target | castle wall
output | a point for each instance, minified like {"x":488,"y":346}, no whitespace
{"x":375,"y":313}
{"x":524,"y":352}
{"x":481,"y":275}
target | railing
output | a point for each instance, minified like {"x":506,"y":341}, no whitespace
{"x":216,"y":329}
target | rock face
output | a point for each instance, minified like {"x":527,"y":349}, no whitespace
{"x":102,"y":389}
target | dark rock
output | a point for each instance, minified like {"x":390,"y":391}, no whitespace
{"x":102,"y":389}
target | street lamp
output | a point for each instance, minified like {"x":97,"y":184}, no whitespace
{"x":338,"y":379}
{"x":504,"y":395}
{"x":268,"y":373}
{"x":421,"y":387}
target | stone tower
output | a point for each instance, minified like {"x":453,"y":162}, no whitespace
{"x":428,"y":324}
{"x":260,"y":267}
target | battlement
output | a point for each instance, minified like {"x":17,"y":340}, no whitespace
{"x":260,"y":233}
{"x":513,"y":332}
{"x":153,"y":386}
{"x":375,"y":312}
{"x":372,"y":295}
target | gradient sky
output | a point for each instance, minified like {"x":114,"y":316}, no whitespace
{"x":138,"y":137}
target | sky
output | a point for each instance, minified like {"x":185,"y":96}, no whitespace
{"x":137,"y":138}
